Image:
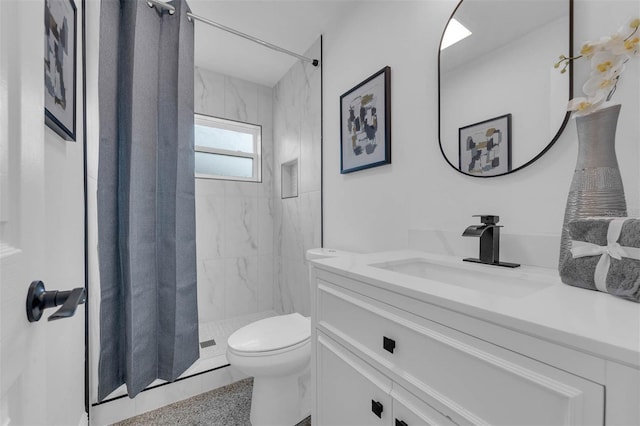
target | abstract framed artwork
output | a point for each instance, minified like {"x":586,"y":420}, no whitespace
{"x":485,"y":147}
{"x":60,"y":67}
{"x":365,"y":123}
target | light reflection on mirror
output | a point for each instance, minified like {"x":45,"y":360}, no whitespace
{"x":454,"y":33}
{"x":505,"y":66}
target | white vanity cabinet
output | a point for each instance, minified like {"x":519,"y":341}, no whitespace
{"x":354,"y":393}
{"x":382,"y":358}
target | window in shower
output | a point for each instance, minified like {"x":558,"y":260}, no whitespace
{"x":227,"y":149}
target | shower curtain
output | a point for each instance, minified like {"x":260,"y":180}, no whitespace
{"x":146,"y":204}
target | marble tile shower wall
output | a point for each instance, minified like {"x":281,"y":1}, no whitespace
{"x":235,"y":220}
{"x":250,"y":242}
{"x":297,"y":134}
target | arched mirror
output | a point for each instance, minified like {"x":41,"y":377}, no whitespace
{"x":502,"y":105}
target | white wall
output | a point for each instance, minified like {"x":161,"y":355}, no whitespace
{"x":234,"y":220}
{"x":297,"y":135}
{"x":374,"y":209}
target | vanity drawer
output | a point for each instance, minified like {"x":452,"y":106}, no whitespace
{"x":350,"y":392}
{"x":468,"y":379}
{"x":408,"y":410}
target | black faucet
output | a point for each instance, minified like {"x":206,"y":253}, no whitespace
{"x":489,"y":234}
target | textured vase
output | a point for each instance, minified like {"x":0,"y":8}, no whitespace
{"x":596,"y":188}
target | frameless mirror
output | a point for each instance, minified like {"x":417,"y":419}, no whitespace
{"x":502,"y":105}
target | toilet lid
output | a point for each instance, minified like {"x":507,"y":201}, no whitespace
{"x":271,"y":334}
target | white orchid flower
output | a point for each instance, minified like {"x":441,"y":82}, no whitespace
{"x":590,"y":48}
{"x":632,"y":43}
{"x":627,"y":40}
{"x":599,"y":85}
{"x":615,"y":44}
{"x":607,"y":57}
{"x":623,"y":45}
{"x":630,"y":46}
{"x":585,"y":106}
{"x":631,"y":27}
{"x":606,"y":62}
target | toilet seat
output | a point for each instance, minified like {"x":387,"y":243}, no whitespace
{"x":271,"y":335}
{"x":274,"y":352}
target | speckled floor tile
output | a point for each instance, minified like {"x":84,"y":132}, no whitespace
{"x":227,"y":406}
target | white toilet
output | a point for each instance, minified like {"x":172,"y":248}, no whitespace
{"x":276,"y":351}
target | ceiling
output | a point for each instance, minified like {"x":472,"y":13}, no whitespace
{"x":291,"y":24}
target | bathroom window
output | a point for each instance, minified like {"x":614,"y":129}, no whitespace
{"x":227,"y":149}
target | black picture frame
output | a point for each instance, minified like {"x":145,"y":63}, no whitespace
{"x":60,"y":57}
{"x":485,"y":147}
{"x":365,"y":123}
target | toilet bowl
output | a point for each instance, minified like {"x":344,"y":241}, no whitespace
{"x":275,"y":351}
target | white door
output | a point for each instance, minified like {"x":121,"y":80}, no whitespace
{"x":41,"y":233}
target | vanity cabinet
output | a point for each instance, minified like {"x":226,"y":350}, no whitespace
{"x":352,"y":391}
{"x":355,"y":393}
{"x":381,"y":358}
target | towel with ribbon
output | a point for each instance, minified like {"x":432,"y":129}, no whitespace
{"x":605,"y":256}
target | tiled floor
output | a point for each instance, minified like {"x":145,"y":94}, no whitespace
{"x":226,"y":406}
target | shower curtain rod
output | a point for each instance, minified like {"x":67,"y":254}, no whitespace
{"x":164,"y":6}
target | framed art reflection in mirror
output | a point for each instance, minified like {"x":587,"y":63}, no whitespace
{"x":485,"y":147}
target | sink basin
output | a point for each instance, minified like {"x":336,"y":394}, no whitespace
{"x":481,"y":278}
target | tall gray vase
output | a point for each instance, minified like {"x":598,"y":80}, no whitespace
{"x":596,"y":188}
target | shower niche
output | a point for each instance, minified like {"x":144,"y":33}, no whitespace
{"x":289,"y":181}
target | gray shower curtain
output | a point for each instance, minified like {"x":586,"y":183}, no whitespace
{"x":146,"y":204}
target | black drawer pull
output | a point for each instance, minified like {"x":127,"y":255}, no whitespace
{"x":377,"y":408}
{"x":388,"y":344}
{"x":401,"y":423}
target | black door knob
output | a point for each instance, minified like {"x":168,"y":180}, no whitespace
{"x":38,"y":299}
{"x":388,"y":344}
{"x":377,"y":408}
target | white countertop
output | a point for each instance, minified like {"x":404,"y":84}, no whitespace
{"x":590,"y":321}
